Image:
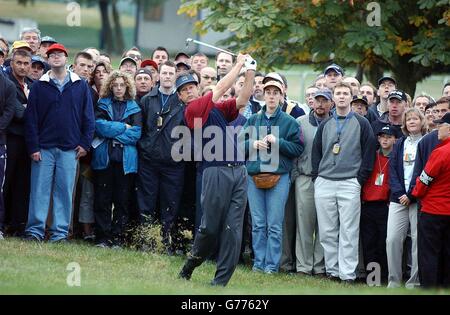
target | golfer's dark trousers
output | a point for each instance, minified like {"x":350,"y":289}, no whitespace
{"x":164,"y":181}
{"x":433,"y":250}
{"x":2,"y":179}
{"x":223,"y":199}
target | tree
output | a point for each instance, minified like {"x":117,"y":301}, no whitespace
{"x":109,"y":42}
{"x":411,"y":40}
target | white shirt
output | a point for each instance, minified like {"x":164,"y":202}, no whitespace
{"x":409,"y":156}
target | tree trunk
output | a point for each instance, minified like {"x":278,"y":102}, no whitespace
{"x":120,"y":43}
{"x":406,"y":76}
{"x":106,"y":39}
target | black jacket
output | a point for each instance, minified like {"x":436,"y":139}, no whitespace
{"x":17,"y":125}
{"x":8,"y":103}
{"x":383,"y":121}
{"x":156,"y":142}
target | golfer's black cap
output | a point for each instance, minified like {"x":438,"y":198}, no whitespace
{"x":185,"y":79}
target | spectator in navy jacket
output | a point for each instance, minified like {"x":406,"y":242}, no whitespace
{"x":59,"y":127}
{"x":403,"y":207}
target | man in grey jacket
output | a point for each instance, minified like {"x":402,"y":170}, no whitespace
{"x":308,"y":250}
{"x":342,"y":159}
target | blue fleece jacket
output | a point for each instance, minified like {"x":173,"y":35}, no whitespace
{"x":107,"y":129}
{"x":55,"y":119}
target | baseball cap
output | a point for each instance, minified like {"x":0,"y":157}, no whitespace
{"x":181,"y":54}
{"x":184,"y":79}
{"x":56,"y":47}
{"x":325,"y":93}
{"x":37,"y":59}
{"x":386,"y":78}
{"x":48,"y":39}
{"x":149,"y":62}
{"x":143,"y":71}
{"x":273,"y":83}
{"x":386,"y":130}
{"x":335,"y":68}
{"x":400,"y":95}
{"x":444,"y":119}
{"x":273,"y":76}
{"x":361,"y":98}
{"x":127,"y":59}
{"x":182,"y":63}
{"x":21,"y":44}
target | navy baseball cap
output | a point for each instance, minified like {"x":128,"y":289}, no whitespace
{"x":48,"y":39}
{"x":335,"y":68}
{"x":386,"y":78}
{"x":443,"y":120}
{"x":182,"y":63}
{"x":185,"y":79}
{"x":361,"y":98}
{"x":386,"y":130}
{"x":325,"y":93}
{"x":400,"y":95}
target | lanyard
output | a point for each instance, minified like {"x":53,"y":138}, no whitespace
{"x":379,"y":165}
{"x":164,"y":101}
{"x":339,"y":127}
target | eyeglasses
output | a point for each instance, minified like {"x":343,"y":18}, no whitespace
{"x":207,"y":77}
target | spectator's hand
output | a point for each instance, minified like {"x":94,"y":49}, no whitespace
{"x":80,"y":152}
{"x":260,"y":144}
{"x":36,"y":156}
{"x":270,"y":139}
{"x":404,"y":200}
{"x":250,"y":63}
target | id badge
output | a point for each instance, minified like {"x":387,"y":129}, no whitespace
{"x":336,"y":148}
{"x":379,"y":179}
{"x":159,"y":122}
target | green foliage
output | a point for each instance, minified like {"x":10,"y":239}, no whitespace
{"x":412,"y":39}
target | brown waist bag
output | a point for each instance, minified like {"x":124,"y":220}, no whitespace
{"x":266,"y":180}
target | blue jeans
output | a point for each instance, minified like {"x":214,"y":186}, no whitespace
{"x":267,"y":210}
{"x":53,"y":176}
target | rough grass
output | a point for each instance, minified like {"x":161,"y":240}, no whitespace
{"x":40,"y":268}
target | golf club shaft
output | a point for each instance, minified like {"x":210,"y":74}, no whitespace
{"x":211,"y":46}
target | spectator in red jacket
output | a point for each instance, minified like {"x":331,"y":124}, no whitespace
{"x":375,"y":205}
{"x":434,"y":223}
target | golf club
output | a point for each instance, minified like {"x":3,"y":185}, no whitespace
{"x":190,"y":40}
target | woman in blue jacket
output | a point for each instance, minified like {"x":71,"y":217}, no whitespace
{"x":117,"y":130}
{"x":272,"y":134}
{"x":403,"y":207}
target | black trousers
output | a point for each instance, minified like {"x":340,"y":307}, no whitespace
{"x":16,"y":190}
{"x":373,"y":227}
{"x":112,"y":187}
{"x":433,"y":250}
{"x":223,"y":198}
{"x":2,"y":178}
{"x":164,"y":182}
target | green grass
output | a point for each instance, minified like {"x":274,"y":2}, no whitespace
{"x":40,"y":268}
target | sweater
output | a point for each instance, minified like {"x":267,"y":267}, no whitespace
{"x":55,"y":119}
{"x":357,"y":149}
{"x":289,"y":143}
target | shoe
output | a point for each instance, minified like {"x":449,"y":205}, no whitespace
{"x":102,"y":244}
{"x":187,"y":270}
{"x":215,"y":284}
{"x":60,"y":241}
{"x":1,"y":236}
{"x":333,"y":278}
{"x":89,"y":238}
{"x":269,"y":272}
{"x":348,"y":281}
{"x":256,"y":269}
{"x":31,"y":238}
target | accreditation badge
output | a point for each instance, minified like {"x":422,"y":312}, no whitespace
{"x":336,"y":148}
{"x":159,"y":122}
{"x":379,"y":179}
